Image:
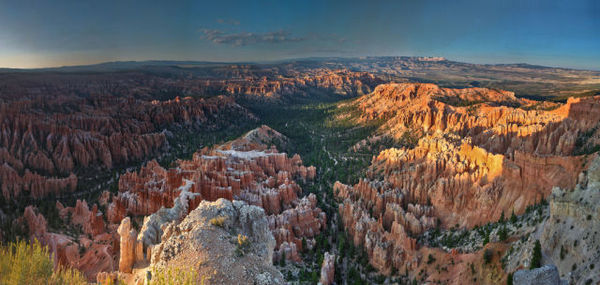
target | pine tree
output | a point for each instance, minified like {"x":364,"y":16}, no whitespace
{"x":513,"y":217}
{"x":536,"y":256}
{"x":282,"y":260}
{"x":502,"y":233}
{"x":304,"y":245}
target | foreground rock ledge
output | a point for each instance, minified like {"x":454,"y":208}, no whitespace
{"x":545,"y":275}
{"x":213,"y":251}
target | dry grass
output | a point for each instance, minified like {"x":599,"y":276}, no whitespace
{"x":23,"y":263}
{"x":218,"y":221}
{"x":242,"y":244}
{"x":175,"y":276}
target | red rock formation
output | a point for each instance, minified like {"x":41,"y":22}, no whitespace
{"x":91,"y":221}
{"x":244,"y":169}
{"x":328,"y":269}
{"x":53,"y":124}
{"x":89,"y":256}
{"x":131,"y":250}
{"x":471,"y":164}
{"x":41,"y":146}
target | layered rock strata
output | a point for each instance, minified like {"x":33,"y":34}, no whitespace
{"x":470,"y":164}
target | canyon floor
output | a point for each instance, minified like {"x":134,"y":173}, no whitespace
{"x":333,"y":171}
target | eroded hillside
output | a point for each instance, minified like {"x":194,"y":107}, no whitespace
{"x":471,"y":166}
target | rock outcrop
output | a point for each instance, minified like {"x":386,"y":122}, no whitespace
{"x":128,"y":246}
{"x":328,"y":269}
{"x":545,"y":275}
{"x":216,"y":252}
{"x":570,"y":237}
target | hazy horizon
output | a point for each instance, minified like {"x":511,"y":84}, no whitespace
{"x":285,"y":60}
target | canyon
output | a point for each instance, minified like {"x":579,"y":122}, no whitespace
{"x":329,"y":171}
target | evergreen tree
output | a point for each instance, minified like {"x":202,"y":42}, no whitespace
{"x":513,"y":217}
{"x":536,"y":256}
{"x":282,"y":260}
{"x":304,"y":245}
{"x":509,"y":279}
{"x":502,"y":233}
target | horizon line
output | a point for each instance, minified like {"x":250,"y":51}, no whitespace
{"x":260,"y":62}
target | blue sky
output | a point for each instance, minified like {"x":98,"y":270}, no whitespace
{"x":55,"y":33}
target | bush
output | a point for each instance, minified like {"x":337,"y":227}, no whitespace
{"x":22,"y":263}
{"x":175,"y":276}
{"x":430,"y":259}
{"x":218,"y":221}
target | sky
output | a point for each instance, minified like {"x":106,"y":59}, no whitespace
{"x":564,"y":33}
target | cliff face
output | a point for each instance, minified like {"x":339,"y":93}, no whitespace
{"x":43,"y":142}
{"x":469,"y":165}
{"x":340,"y":82}
{"x":570,"y":236}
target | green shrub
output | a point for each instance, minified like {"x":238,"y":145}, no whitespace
{"x":22,"y":263}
